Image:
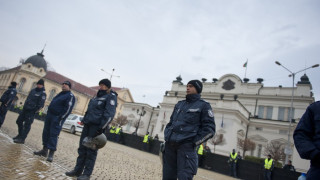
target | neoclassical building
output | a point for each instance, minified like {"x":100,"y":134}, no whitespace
{"x":35,"y":67}
{"x":242,"y":109}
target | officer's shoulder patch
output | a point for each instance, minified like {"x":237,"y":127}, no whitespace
{"x":12,"y":92}
{"x":112,"y":102}
{"x":43,"y":97}
{"x":210,"y":113}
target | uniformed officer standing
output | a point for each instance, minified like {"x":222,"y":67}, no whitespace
{"x":58,"y":110}
{"x":233,"y":163}
{"x":6,"y":100}
{"x":100,"y":113}
{"x":191,"y":124}
{"x":118,"y":133}
{"x":307,"y":139}
{"x":32,"y":105}
{"x":112,"y":133}
{"x":268,"y":167}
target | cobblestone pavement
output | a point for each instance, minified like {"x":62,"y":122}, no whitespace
{"x":114,"y":161}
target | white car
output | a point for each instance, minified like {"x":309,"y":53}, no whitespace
{"x":73,"y":123}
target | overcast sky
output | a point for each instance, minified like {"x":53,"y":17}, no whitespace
{"x":150,"y":43}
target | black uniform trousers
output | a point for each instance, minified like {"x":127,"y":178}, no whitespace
{"x":3,"y":112}
{"x":24,"y":123}
{"x":87,"y":157}
{"x":179,"y":161}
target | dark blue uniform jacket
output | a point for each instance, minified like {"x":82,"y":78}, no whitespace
{"x":35,"y":100}
{"x":8,"y":96}
{"x":307,"y":134}
{"x":101,"y":110}
{"x":191,"y":121}
{"x":62,"y":104}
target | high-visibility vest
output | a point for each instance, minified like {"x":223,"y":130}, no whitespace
{"x":268,"y":164}
{"x":118,"y":131}
{"x":200,"y":150}
{"x":146,"y":138}
{"x":234,"y":157}
{"x":112,"y":130}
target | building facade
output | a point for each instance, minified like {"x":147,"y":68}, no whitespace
{"x":242,"y":110}
{"x":35,"y":67}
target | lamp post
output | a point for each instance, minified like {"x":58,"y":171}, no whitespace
{"x":111,"y":74}
{"x":288,"y":150}
{"x":141,"y":113}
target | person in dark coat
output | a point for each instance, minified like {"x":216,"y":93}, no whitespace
{"x":307,"y":139}
{"x":289,"y":166}
{"x":6,"y":100}
{"x":35,"y":101}
{"x":100,"y":113}
{"x":58,"y":111}
{"x":191,"y":124}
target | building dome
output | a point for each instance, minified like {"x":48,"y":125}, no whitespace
{"x":37,"y":61}
{"x":304,"y":80}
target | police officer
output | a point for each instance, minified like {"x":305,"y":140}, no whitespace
{"x":146,"y":140}
{"x":191,"y":124}
{"x":32,"y":105}
{"x":307,"y":139}
{"x":233,"y":163}
{"x":100,"y":113}
{"x":268,"y":167}
{"x":200,"y":152}
{"x":112,"y":133}
{"x":58,"y":110}
{"x":6,"y":100}
{"x":118,"y":133}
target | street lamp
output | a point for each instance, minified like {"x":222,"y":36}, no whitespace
{"x":141,"y":113}
{"x":111,"y":74}
{"x":288,"y":149}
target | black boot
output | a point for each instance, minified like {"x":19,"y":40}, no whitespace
{"x":83,"y":177}
{"x":16,"y":137}
{"x":43,"y":152}
{"x":73,"y":173}
{"x":50,"y":156}
{"x":19,"y":141}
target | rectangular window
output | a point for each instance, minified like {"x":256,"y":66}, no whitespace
{"x":269,"y":112}
{"x":260,"y":111}
{"x":162,"y":127}
{"x":281,"y":113}
{"x":292,"y":117}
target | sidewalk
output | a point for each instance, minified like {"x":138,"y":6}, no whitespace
{"x":114,"y":161}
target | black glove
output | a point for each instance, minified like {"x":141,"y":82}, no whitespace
{"x":99,"y":131}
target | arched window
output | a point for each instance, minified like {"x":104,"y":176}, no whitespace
{"x":51,"y":94}
{"x":22,"y":82}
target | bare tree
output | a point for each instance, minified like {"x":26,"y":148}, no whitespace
{"x":246,"y":145}
{"x":217,"y":139}
{"x":121,"y":120}
{"x":136,"y":124}
{"x":276,"y":150}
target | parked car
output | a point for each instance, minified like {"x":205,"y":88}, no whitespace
{"x":73,"y":123}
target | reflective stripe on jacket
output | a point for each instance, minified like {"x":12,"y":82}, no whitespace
{"x":118,"y":130}
{"x":200,"y":150}
{"x":146,"y":138}
{"x":112,"y":129}
{"x":234,"y":157}
{"x":268,"y":164}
